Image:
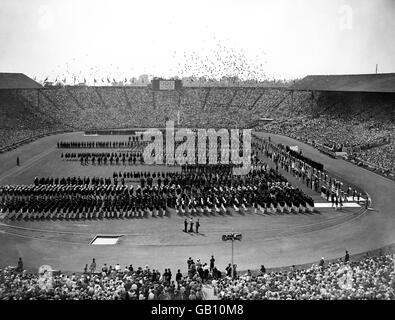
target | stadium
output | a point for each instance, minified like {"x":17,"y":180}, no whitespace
{"x":85,"y":215}
{"x":274,"y":236}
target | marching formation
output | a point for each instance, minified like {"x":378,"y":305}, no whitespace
{"x":105,"y":158}
{"x":133,"y":141}
{"x":262,"y":189}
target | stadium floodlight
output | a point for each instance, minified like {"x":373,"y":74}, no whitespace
{"x":232,"y":237}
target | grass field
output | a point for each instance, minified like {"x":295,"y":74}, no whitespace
{"x":270,"y":239}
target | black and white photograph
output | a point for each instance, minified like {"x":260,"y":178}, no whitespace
{"x":197,"y":154}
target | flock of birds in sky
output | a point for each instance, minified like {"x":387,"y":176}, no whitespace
{"x":222,"y":64}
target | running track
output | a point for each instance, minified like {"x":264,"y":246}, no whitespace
{"x":273,"y":241}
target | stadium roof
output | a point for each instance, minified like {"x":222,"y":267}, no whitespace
{"x":382,"y":82}
{"x":17,"y":81}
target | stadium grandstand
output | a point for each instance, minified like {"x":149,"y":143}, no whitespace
{"x":380,"y":83}
{"x":17,"y":81}
{"x":351,"y":102}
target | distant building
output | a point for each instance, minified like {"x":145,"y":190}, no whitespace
{"x":144,"y":79}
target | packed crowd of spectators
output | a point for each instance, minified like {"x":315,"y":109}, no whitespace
{"x":339,"y":122}
{"x":366,"y":279}
{"x":331,"y":132}
{"x":18,"y":121}
{"x":382,"y":158}
{"x":109,"y":283}
{"x":363,"y":279}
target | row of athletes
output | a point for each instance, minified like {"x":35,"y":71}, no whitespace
{"x":105,"y":158}
{"x":118,"y":190}
{"x":111,"y":201}
{"x":133,"y":141}
{"x":209,"y":168}
{"x":172,"y":178}
{"x":184,"y":179}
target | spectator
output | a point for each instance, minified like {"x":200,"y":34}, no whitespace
{"x":212,"y":263}
{"x":178,"y":276}
{"x":20,"y":265}
{"x":263,"y":269}
{"x":347,"y":257}
{"x":92,"y":267}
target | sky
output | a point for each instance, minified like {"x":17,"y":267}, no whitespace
{"x":282,"y":39}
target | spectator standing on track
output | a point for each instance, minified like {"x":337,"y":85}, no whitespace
{"x":322,"y":262}
{"x":189,"y":262}
{"x":263,"y":269}
{"x":92,"y":267}
{"x":185,"y":225}
{"x":178,"y":276}
{"x":212,"y":263}
{"x":104,"y":269}
{"x":20,"y":265}
{"x":229,"y":270}
{"x":347,"y":257}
